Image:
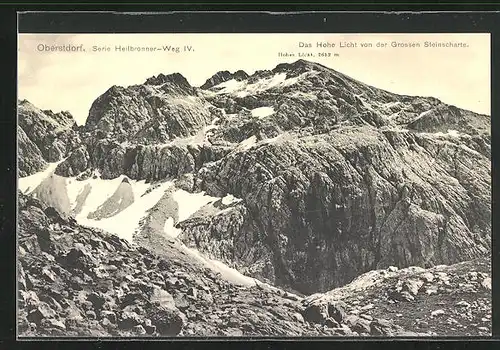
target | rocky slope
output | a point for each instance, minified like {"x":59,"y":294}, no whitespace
{"x":333,"y":177}
{"x":444,"y":300}
{"x":76,"y":281}
{"x":333,"y":206}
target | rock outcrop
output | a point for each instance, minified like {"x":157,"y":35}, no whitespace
{"x":163,"y":108}
{"x":30,"y":158}
{"x":43,"y":137}
{"x":444,"y":300}
{"x":223,"y":76}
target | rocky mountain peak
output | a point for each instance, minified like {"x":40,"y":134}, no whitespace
{"x":223,"y":76}
{"x":30,"y":114}
{"x":63,"y":117}
{"x":297,"y":64}
{"x":240,"y":75}
{"x":23,"y":102}
{"x":174,"y":78}
{"x":259,"y":74}
{"x":299,"y":67}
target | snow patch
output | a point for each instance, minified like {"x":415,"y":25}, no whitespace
{"x":100,"y":191}
{"x":274,"y":139}
{"x":212,"y":125}
{"x":223,"y":211}
{"x":127,"y":222}
{"x":392,"y":104}
{"x":247,"y":144}
{"x":394,"y":129}
{"x":139,"y":187}
{"x":169,"y":229}
{"x":229,"y":86}
{"x":28,"y":183}
{"x":189,"y":203}
{"x":242,"y":88}
{"x":262,"y":112}
{"x":74,"y":188}
{"x":453,"y":133}
{"x":423,"y":114}
{"x":227,"y":273}
{"x":450,"y":134}
{"x":230,"y":199}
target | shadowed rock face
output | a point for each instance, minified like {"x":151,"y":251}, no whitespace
{"x":30,"y":159}
{"x":336,"y":177}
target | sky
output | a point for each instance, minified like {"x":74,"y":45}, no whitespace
{"x":71,"y":81}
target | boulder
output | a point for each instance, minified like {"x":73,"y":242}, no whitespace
{"x":129,"y":319}
{"x":167,"y":320}
{"x":41,"y":312}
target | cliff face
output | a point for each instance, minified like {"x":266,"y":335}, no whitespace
{"x":341,"y":178}
{"x":43,"y":137}
{"x":333,"y":177}
{"x":223,"y":76}
{"x":335,"y":205}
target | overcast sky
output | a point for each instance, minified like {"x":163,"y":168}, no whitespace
{"x":72,"y":81}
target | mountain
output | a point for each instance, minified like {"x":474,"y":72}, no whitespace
{"x":300,"y":176}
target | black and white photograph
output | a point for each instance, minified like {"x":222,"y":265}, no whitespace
{"x":254,"y":185}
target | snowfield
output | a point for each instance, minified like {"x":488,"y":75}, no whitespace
{"x":169,"y":229}
{"x":230,"y":199}
{"x":243,"y":89}
{"x":228,"y":273}
{"x":100,"y":191}
{"x":81,"y":198}
{"x":262,"y":112}
{"x":450,"y":134}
